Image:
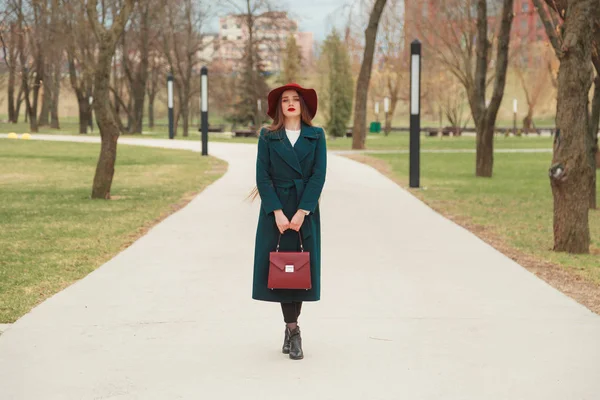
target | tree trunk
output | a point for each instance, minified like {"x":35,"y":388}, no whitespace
{"x":18,"y":105}
{"x":485,"y":149}
{"x":594,"y":121}
{"x":571,"y":173}
{"x":485,"y":118}
{"x":138,"y":109}
{"x":528,"y":121}
{"x":185,"y":116}
{"x":46,"y":97}
{"x":151,"y":111}
{"x":109,"y":129}
{"x":129,"y":116}
{"x":105,"y":116}
{"x":390,"y":116}
{"x":13,"y":115}
{"x":141,"y":77}
{"x":54,"y":123}
{"x":359,"y":127}
{"x":185,"y":110}
{"x":33,"y":122}
{"x":105,"y":169}
{"x":30,"y":107}
{"x":85,"y":112}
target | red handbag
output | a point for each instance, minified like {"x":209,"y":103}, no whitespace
{"x":289,"y":269}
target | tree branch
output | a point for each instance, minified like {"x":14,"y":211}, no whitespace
{"x":549,"y":27}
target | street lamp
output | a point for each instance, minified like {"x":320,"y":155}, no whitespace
{"x":415,"y":113}
{"x":170,"y":104}
{"x":204,"y":109}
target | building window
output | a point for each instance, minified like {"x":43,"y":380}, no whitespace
{"x":523,"y":25}
{"x":525,"y":6}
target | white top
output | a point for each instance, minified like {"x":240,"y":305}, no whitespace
{"x":292,"y":135}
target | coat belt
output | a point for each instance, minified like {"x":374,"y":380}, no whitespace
{"x":299,"y":185}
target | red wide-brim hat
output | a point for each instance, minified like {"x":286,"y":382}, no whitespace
{"x":309,"y":96}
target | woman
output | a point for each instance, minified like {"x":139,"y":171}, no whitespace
{"x":290,"y":174}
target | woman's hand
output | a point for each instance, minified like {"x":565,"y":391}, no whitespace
{"x":281,"y":220}
{"x":297,"y":220}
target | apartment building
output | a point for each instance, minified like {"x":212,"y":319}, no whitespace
{"x":271,"y":30}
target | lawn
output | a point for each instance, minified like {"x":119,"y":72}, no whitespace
{"x":52,"y":233}
{"x":394,"y":141}
{"x":513,"y":210}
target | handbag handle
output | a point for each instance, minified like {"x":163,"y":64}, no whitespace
{"x":301,"y":245}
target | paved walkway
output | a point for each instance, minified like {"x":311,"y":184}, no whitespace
{"x":413,"y":307}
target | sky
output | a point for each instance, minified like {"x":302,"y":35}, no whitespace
{"x":318,"y":16}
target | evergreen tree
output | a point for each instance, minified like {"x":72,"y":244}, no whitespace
{"x":291,"y":62}
{"x":251,"y":87}
{"x":337,"y":85}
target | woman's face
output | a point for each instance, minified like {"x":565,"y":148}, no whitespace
{"x":290,"y":103}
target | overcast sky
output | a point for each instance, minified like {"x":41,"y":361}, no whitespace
{"x":318,"y":16}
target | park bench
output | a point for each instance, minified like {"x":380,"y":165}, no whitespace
{"x":244,"y":133}
{"x":216,"y":128}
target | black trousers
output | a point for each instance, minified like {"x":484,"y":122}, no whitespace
{"x":291,"y":311}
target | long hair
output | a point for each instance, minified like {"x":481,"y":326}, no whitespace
{"x":279,"y":123}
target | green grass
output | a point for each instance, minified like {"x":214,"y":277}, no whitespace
{"x":52,"y":233}
{"x":395,"y":141}
{"x":400,"y":141}
{"x":516,"y":204}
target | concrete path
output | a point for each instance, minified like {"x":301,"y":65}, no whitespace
{"x":413,"y":307}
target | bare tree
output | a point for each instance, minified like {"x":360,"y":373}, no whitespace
{"x":157,"y":68}
{"x":183,"y":40}
{"x":572,"y":171}
{"x":107,"y":38}
{"x":53,"y":42}
{"x":81,"y":49}
{"x":9,"y":33}
{"x":534,"y":81}
{"x":459,"y":37}
{"x":391,"y":72}
{"x":30,"y":23}
{"x":359,"y":132}
{"x":448,"y":96}
{"x":137,"y":46}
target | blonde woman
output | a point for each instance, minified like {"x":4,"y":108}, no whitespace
{"x":290,"y":174}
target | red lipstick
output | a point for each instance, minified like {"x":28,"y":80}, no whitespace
{"x":291,"y":109}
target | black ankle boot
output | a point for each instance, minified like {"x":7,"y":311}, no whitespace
{"x":286,"y":342}
{"x":296,"y":352}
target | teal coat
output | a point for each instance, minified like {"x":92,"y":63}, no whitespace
{"x":289,"y":178}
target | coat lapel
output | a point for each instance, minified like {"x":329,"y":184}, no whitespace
{"x":306,"y":142}
{"x":282,"y":145}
